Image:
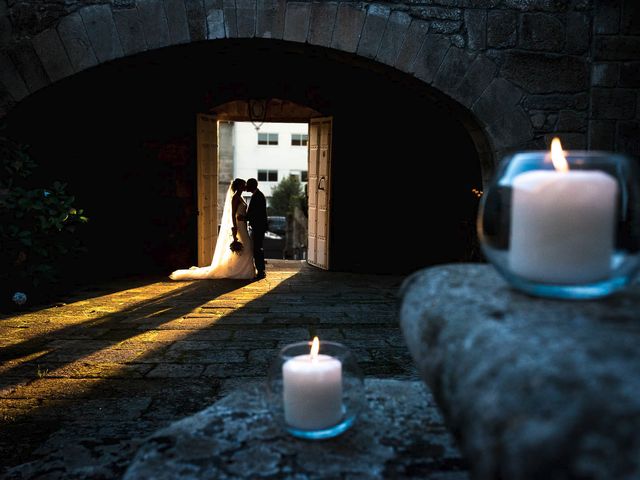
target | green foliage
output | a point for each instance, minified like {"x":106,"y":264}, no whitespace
{"x":37,"y":225}
{"x":286,"y":196}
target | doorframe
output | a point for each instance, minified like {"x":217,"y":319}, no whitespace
{"x":206,"y":186}
{"x":319,"y":181}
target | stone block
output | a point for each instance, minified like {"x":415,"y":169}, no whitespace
{"x":602,"y":135}
{"x":53,"y":56}
{"x":578,"y":36}
{"x":215,"y":19}
{"x":550,"y":122}
{"x":102,"y":32}
{"x":430,"y":57}
{"x":348,"y":27}
{"x":501,"y":29}
{"x":393,"y":37}
{"x":458,"y":40}
{"x":524,"y":381}
{"x":540,"y":73}
{"x":436,"y":13}
{"x":230,"y":21}
{"x":446,"y":27}
{"x":630,"y":17}
{"x":412,"y":44}
{"x":630,"y":74}
{"x":555,"y":102}
{"x":130,"y":30}
{"x":570,"y":121}
{"x":476,"y":23}
{"x":628,"y":138}
{"x":479,"y":75}
{"x":538,"y":120}
{"x":605,"y":74}
{"x":539,"y":31}
{"x":270,"y":20}
{"x":296,"y":24}
{"x":321,"y":25}
{"x":617,"y":48}
{"x":373,"y":29}
{"x":452,"y":71}
{"x":154,"y":23}
{"x":498,"y":109}
{"x":28,"y":63}
{"x":196,"y":19}
{"x":246,"y":18}
{"x":607,"y":17}
{"x":11,"y":79}
{"x":176,"y":14}
{"x":76,"y":42}
{"x":511,"y":131}
{"x":613,"y":104}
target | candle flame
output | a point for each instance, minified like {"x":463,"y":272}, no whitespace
{"x":557,"y":156}
{"x":315,"y":348}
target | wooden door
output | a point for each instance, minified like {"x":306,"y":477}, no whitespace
{"x":207,"y":172}
{"x":319,"y":191}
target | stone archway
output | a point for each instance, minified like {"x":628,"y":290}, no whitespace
{"x":466,"y":80}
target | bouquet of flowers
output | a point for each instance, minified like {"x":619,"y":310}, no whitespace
{"x":236,"y":247}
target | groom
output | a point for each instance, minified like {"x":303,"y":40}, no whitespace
{"x":257,"y":218}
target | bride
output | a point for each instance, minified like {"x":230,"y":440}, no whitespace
{"x":233,"y":226}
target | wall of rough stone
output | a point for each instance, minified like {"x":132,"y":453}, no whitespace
{"x":525,"y":69}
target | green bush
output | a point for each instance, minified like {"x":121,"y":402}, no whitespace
{"x":286,"y":196}
{"x":37,"y":228}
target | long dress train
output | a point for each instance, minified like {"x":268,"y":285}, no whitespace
{"x":225,"y":263}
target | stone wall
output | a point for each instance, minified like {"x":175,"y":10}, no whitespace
{"x":521,"y":70}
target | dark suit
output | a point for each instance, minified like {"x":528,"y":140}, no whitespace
{"x":257,"y":218}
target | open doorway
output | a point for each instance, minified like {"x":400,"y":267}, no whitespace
{"x":276,"y":154}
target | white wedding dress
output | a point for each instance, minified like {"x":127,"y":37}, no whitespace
{"x":225,"y":263}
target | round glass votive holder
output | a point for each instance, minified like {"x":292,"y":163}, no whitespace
{"x":570,"y":234}
{"x":315,"y":398}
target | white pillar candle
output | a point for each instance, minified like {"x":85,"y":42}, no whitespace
{"x":562,"y":225}
{"x":312,"y":391}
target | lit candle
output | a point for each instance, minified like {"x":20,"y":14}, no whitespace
{"x":312,"y":390}
{"x":562,"y":223}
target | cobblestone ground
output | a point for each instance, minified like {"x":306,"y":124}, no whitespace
{"x":82,"y":382}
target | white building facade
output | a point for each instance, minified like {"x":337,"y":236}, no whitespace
{"x":271,"y":153}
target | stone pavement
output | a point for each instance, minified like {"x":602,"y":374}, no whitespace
{"x":82,"y":382}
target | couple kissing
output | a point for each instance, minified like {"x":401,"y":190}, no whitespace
{"x":237,"y":254}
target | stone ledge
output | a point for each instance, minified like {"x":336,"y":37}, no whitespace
{"x":532,"y":388}
{"x":401,"y":435}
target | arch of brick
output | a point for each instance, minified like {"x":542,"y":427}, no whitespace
{"x":95,"y":34}
{"x":515,"y":73}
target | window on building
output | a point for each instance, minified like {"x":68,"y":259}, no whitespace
{"x":299,"y":139}
{"x":304,"y":176}
{"x":267,"y":139}
{"x":267,"y":175}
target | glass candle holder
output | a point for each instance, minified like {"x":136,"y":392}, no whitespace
{"x":570,"y":231}
{"x":315,"y":397}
